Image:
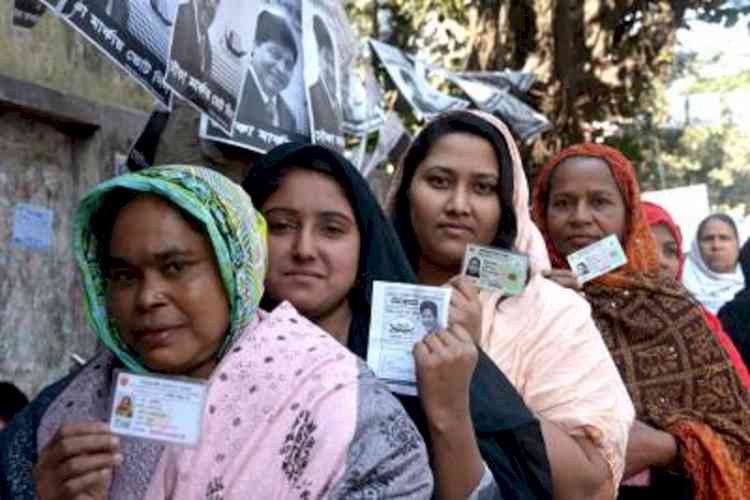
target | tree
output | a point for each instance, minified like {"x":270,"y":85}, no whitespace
{"x":598,"y":61}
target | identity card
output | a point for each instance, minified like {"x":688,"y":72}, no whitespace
{"x":160,"y":408}
{"x":597,"y":259}
{"x":401,"y":315}
{"x":496,"y":269}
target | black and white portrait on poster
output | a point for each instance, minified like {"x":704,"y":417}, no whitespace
{"x":326,"y":32}
{"x":362,"y":96}
{"x":412,"y":83}
{"x":272,"y":107}
{"x":205,"y":57}
{"x":26,"y":13}
{"x":132,"y":33}
{"x":525,"y":122}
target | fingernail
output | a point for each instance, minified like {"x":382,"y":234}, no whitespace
{"x":119,"y":459}
{"x":115,"y":441}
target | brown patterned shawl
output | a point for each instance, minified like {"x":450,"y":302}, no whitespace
{"x":677,"y":374}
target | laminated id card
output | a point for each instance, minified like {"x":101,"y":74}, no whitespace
{"x":496,"y":269}
{"x":159,"y":408}
{"x":597,"y":259}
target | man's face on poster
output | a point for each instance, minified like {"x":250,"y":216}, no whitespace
{"x":273,"y":64}
{"x":429,"y":320}
{"x":207,"y":12}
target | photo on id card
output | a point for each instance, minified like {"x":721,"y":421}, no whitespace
{"x":496,"y":269}
{"x":158,"y":408}
{"x":401,"y":315}
{"x":597,"y":259}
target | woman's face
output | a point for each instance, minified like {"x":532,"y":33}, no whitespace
{"x":313,"y":243}
{"x":669,"y":250}
{"x":453,"y":198}
{"x":585,"y":204}
{"x":719,"y":246}
{"x":165,"y":292}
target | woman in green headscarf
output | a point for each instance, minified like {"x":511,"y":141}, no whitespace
{"x":173,"y":260}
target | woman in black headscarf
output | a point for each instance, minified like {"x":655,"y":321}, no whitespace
{"x":735,"y":314}
{"x":328,"y":241}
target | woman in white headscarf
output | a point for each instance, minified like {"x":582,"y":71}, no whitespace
{"x":712,"y":271}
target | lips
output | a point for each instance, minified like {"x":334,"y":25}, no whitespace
{"x":456,"y":229}
{"x":154,"y":336}
{"x":303,"y":274}
{"x":581,"y":240}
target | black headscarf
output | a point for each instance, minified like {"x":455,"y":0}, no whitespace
{"x":735,"y":314}
{"x":508,"y":435}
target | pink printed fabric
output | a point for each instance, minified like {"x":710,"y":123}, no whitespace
{"x":281,"y":412}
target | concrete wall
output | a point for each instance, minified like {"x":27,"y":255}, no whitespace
{"x":54,"y":55}
{"x":55,"y":147}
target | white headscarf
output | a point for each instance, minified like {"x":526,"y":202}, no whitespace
{"x":712,"y":289}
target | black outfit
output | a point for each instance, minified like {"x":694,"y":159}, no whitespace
{"x":735,"y":314}
{"x":325,"y":109}
{"x":253,"y":112}
{"x":509,"y":436}
{"x":194,"y":57}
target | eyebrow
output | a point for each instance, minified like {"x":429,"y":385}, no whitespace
{"x":324,"y":213}
{"x":169,"y":253}
{"x":449,"y":170}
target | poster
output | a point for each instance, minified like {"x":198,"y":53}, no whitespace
{"x":362,"y":97}
{"x":143,"y":151}
{"x":32,"y":227}
{"x":391,"y":135}
{"x":206,"y":53}
{"x":326,"y":31}
{"x":525,"y":122}
{"x":132,"y":33}
{"x":272,"y":107}
{"x":412,"y":83}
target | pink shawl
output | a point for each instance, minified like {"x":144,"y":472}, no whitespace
{"x":284,"y":419}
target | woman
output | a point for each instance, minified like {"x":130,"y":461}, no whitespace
{"x":462,"y":182}
{"x":668,"y":238}
{"x":712,"y":272}
{"x":735,"y":315}
{"x":328,"y":241}
{"x":173,"y":261}
{"x":693,"y":414}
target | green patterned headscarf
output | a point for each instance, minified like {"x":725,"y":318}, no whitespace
{"x":236,"y":230}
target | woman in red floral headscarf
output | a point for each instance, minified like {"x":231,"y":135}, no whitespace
{"x":691,"y":438}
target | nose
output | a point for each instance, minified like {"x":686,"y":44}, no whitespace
{"x":151,"y":293}
{"x":459,"y":202}
{"x":304,"y":245}
{"x":582,"y":213}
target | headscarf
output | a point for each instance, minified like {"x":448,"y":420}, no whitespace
{"x":288,"y":410}
{"x":544,"y":340}
{"x":508,"y":436}
{"x":639,"y":246}
{"x":380,"y":257}
{"x":676,"y":372}
{"x":527,"y":239}
{"x":711,"y":288}
{"x":656,"y":215}
{"x":237,"y":233}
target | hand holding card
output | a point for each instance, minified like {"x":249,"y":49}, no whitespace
{"x":159,"y":408}
{"x":597,"y":259}
{"x":496,"y":269}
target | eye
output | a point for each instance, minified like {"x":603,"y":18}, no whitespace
{"x":484,"y":188}
{"x":599,"y":202}
{"x":281,"y":226}
{"x":438,"y":181}
{"x":333,"y":230}
{"x":174,"y":267}
{"x":560,"y":203}
{"x":121,"y":277}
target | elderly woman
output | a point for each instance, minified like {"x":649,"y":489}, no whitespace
{"x":690,"y":438}
{"x":712,"y":272}
{"x":462,"y":182}
{"x":173,"y":261}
